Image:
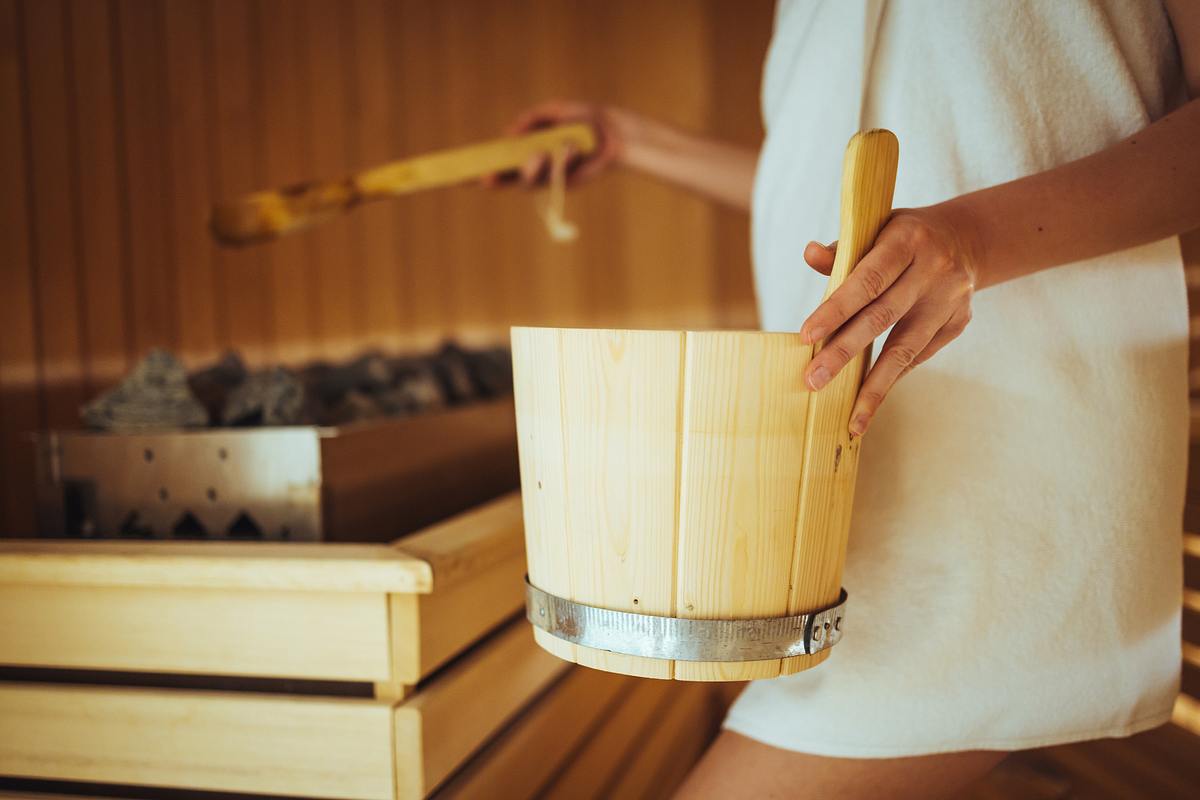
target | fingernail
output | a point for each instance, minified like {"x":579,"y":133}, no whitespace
{"x":858,"y":425}
{"x":818,"y":378}
{"x":814,"y":335}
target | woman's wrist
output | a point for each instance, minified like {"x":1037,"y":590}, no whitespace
{"x":964,"y":218}
{"x":708,"y":167}
{"x":640,"y":144}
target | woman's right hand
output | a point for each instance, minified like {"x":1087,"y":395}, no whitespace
{"x":610,"y":124}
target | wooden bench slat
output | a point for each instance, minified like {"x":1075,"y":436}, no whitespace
{"x":217,"y":741}
{"x":445,"y":721}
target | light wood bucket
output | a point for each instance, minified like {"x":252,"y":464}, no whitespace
{"x":692,"y":474}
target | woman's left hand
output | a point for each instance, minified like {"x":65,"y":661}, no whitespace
{"x":918,"y":277}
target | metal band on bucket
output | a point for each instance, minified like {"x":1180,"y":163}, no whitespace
{"x":685,"y":639}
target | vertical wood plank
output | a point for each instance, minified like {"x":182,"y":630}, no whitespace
{"x":547,"y":276}
{"x":621,"y":394}
{"x":513,"y":223}
{"x":243,"y":280}
{"x":144,"y":111}
{"x":372,"y":94}
{"x":670,"y":269}
{"x":744,"y":416}
{"x":339,"y":279}
{"x":419,"y":118}
{"x":53,"y":212}
{"x":738,"y":35}
{"x":19,"y":408}
{"x":97,"y":196}
{"x":189,"y":49}
{"x":286,"y":160}
{"x":606,"y":267}
{"x":470,"y":241}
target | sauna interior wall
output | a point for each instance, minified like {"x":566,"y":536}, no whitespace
{"x":120,"y":120}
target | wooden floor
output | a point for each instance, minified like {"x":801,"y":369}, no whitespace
{"x":1162,"y":764}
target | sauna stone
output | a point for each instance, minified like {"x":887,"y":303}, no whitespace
{"x":155,"y":396}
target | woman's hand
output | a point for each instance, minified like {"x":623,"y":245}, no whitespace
{"x":610,"y":124}
{"x":917,"y":279}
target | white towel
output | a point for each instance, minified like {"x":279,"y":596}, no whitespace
{"x":1014,"y":564}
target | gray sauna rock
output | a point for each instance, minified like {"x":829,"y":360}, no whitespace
{"x":155,"y":396}
{"x":212,"y":385}
{"x":270,"y":397}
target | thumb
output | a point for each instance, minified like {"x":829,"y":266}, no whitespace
{"x":820,"y":257}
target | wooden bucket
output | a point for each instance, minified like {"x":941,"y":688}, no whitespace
{"x":692,"y":475}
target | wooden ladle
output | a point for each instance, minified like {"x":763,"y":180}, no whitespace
{"x":268,"y":214}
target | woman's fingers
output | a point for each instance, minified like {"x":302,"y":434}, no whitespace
{"x":877,"y":271}
{"x":912,"y":341}
{"x":820,"y":256}
{"x":854,"y":337}
{"x":543,"y":116}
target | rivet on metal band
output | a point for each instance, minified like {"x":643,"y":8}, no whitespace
{"x":685,"y":639}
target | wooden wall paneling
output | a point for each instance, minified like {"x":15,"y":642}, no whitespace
{"x":340,"y":286}
{"x":738,"y":35}
{"x":469,"y":233}
{"x":98,"y":195}
{"x":669,"y":266}
{"x":54,"y":243}
{"x":143,"y":113}
{"x":372,"y":90}
{"x":143,"y":119}
{"x":416,"y":57}
{"x":244,"y":281}
{"x":555,"y":274}
{"x":513,"y":264}
{"x":190,"y":74}
{"x":598,"y":265}
{"x":286,"y":159}
{"x":19,"y":371}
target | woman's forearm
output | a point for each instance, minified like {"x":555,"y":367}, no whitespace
{"x":713,"y":169}
{"x":1144,"y":188}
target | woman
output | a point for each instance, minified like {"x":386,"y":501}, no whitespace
{"x":1014,"y":566}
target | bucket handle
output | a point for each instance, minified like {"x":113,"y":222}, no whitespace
{"x":868,"y":181}
{"x":830,"y":452}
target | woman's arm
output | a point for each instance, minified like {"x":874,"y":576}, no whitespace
{"x":927,"y":262}
{"x":1143,"y":189}
{"x":712,"y":169}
